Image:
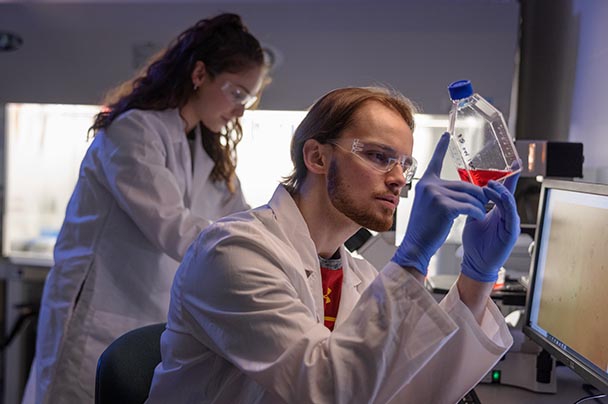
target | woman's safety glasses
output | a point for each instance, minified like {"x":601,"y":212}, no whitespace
{"x":238,"y":95}
{"x":379,"y":157}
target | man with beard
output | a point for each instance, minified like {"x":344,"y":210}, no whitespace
{"x":268,"y":306}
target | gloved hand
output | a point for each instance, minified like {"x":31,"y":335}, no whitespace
{"x":436,"y":204}
{"x":488,"y":242}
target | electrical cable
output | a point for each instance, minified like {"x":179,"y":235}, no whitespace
{"x":590,"y":398}
{"x":27,"y":311}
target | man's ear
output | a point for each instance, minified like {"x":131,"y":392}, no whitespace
{"x":316,"y":156}
{"x":199,"y":74}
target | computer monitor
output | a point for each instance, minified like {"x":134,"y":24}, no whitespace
{"x":566,"y":303}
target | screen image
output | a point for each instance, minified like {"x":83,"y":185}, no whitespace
{"x":567,"y":299}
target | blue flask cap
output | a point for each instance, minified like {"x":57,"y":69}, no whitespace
{"x":460,"y":89}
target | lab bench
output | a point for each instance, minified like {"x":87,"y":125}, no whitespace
{"x":22,"y":280}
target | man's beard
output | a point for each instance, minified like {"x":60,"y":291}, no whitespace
{"x":339,"y":197}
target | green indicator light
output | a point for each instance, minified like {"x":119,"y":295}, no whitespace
{"x":496,"y":376}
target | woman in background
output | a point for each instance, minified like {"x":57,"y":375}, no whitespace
{"x":160,"y":168}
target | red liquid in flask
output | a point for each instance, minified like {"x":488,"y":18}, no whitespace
{"x":482,"y":177}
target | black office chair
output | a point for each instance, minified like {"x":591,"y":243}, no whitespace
{"x":126,"y":367}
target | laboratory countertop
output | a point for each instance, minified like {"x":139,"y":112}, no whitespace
{"x":569,"y":390}
{"x":32,"y":260}
{"x":25,"y":268}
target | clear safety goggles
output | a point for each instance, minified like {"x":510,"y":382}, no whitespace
{"x":379,"y":157}
{"x":238,"y":95}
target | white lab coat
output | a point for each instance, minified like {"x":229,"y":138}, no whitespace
{"x":137,"y":206}
{"x":246,"y":325}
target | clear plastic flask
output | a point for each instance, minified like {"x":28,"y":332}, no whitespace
{"x":480,"y":145}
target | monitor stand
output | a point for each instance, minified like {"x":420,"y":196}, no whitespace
{"x":528,"y":370}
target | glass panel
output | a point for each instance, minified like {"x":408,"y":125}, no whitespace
{"x":44,"y":146}
{"x":264,"y":153}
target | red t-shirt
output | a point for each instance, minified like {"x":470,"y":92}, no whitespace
{"x":331,"y":278}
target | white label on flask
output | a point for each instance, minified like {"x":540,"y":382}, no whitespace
{"x":486,"y":107}
{"x":465,"y":152}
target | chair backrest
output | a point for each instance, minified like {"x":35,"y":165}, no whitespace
{"x":126,"y":367}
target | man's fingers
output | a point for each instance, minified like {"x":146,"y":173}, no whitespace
{"x":505,"y":202}
{"x":436,"y":162}
{"x":511,"y":182}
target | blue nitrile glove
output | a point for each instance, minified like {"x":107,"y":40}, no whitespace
{"x":436,"y":204}
{"x":487,"y":243}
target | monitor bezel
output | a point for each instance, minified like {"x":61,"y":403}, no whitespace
{"x":587,"y":373}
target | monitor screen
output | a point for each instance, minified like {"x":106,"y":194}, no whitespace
{"x":567,"y":297}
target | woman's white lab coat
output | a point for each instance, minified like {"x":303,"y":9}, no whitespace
{"x":137,"y":206}
{"x":246,"y":325}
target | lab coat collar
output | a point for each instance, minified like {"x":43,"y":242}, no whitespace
{"x":295,"y":228}
{"x":174,"y":119}
{"x":199,"y":159}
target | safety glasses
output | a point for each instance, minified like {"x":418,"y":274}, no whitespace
{"x":238,"y":95}
{"x":378,"y":157}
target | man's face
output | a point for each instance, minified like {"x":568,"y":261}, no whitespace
{"x":365,"y":195}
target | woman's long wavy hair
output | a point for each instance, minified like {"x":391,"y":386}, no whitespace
{"x":224,"y":44}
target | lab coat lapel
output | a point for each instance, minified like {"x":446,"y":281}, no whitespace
{"x":296,"y":230}
{"x":315,"y":286}
{"x":203,"y":165}
{"x":182,"y":153}
{"x":350,"y":286}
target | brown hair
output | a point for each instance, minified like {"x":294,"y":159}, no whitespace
{"x":332,"y":114}
{"x":224,"y":44}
